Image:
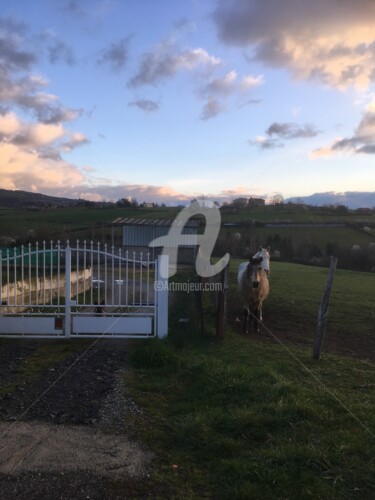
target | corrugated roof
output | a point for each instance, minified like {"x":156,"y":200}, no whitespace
{"x":131,"y":221}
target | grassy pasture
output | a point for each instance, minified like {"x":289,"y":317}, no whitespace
{"x":344,"y":237}
{"x":286,"y":213}
{"x":249,"y":418}
{"x":245,"y":420}
{"x":241,"y":419}
{"x":72,"y":222}
{"x":292,"y":307}
{"x":57,"y":222}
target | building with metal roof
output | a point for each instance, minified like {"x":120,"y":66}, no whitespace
{"x":138,"y":233}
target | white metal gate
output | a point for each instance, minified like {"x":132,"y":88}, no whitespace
{"x":87,"y":290}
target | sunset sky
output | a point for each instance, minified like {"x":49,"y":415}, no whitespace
{"x":165,"y":100}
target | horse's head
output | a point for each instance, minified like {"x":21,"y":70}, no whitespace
{"x":254,"y":270}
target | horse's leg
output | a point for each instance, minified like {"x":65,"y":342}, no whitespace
{"x":251,"y":317}
{"x":246,"y":315}
{"x":257,"y":317}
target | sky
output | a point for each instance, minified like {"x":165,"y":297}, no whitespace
{"x":169,"y":100}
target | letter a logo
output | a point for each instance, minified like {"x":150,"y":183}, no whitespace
{"x":205,"y":241}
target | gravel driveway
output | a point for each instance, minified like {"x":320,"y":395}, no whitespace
{"x":64,"y":431}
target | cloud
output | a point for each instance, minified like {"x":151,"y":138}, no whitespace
{"x":59,"y":51}
{"x":324,"y":152}
{"x":248,"y":82}
{"x":30,"y":153}
{"x":218,"y":89}
{"x":211,"y":109}
{"x":145,"y":105}
{"x":45,"y":140}
{"x":331,"y":42}
{"x":291,"y":130}
{"x":114,"y":192}
{"x":12,"y":130}
{"x":12,"y":56}
{"x":88,"y":168}
{"x":220,"y":86}
{"x":285,"y":131}
{"x":74,"y":8}
{"x":239,"y":191}
{"x":9,"y":125}
{"x":166,"y":60}
{"x":116,"y":55}
{"x":265,"y":143}
{"x":72,"y":141}
{"x":90,"y":14}
{"x":25,"y":169}
{"x":250,"y":102}
{"x":352,"y":199}
{"x":18,"y":86}
{"x":229,"y":84}
{"x":143,"y":192}
{"x":361,"y":142}
{"x":182,"y":25}
{"x":31,"y":147}
{"x":57,"y":113}
{"x":366,"y":127}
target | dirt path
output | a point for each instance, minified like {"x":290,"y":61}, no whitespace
{"x":50,"y":448}
{"x":74,"y":440}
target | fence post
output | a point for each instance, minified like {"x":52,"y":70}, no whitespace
{"x":68,"y":290}
{"x":161,"y":293}
{"x":221,"y":308}
{"x":323,"y":311}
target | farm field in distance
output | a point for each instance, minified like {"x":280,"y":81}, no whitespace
{"x":70,"y":223}
{"x":95,"y":223}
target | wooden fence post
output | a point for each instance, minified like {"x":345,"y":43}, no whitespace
{"x":221,"y":305}
{"x":323,"y":311}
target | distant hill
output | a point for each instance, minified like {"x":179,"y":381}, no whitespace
{"x":24,"y":199}
{"x":351,"y":199}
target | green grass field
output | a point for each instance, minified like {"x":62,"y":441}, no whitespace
{"x":292,"y":307}
{"x":286,"y":213}
{"x":72,"y":223}
{"x":250,"y":418}
{"x":245,"y":420}
{"x":344,"y":237}
{"x":57,"y":223}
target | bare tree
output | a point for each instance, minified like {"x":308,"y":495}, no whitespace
{"x":277,"y":199}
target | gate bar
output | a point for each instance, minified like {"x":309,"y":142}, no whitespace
{"x":68,"y":291}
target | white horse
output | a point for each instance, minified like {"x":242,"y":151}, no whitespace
{"x":265,"y":254}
